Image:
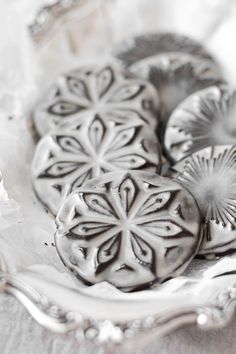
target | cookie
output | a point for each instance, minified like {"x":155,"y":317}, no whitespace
{"x":102,"y":90}
{"x":175,"y":77}
{"x":206,"y":118}
{"x":66,"y":159}
{"x":150,"y":44}
{"x":210,"y":175}
{"x":132,"y":229}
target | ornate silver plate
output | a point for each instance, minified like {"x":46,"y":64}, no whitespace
{"x":205,"y":295}
{"x":48,"y":18}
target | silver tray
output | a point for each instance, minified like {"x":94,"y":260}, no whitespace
{"x":31,"y":270}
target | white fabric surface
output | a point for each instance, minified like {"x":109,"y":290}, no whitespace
{"x":23,"y":70}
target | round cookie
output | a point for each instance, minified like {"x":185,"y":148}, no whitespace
{"x":175,"y":77}
{"x":65,"y":159}
{"x":206,"y":118}
{"x":150,"y":44}
{"x":130,"y":228}
{"x":210,"y":175}
{"x":102,"y":90}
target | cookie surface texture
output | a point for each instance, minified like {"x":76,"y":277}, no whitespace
{"x":131,"y":229}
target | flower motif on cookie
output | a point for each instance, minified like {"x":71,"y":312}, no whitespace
{"x":65,"y":160}
{"x":104,"y":91}
{"x":131,"y":233}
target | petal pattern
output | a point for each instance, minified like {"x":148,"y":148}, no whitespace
{"x":97,"y":133}
{"x":154,"y":203}
{"x":122,"y":139}
{"x":126,"y":92}
{"x":90,"y":229}
{"x":99,"y":204}
{"x":104,"y":80}
{"x":78,"y":87}
{"x":70,"y":144}
{"x":83,"y":177}
{"x":128,"y":161}
{"x":64,"y":108}
{"x":60,"y":169}
{"x":128,"y":192}
{"x":164,"y":228}
{"x":107,"y":253}
{"x":143,"y":251}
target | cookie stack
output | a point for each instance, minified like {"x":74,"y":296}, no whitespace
{"x":131,"y":162}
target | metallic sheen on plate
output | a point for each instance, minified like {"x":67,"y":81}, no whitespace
{"x":206,"y":118}
{"x":132,"y":229}
{"x":210,"y":175}
{"x":52,"y":15}
{"x":102,"y":90}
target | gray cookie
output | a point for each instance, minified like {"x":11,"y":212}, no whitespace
{"x":102,"y":90}
{"x":210,"y":175}
{"x":132,"y":229}
{"x":66,"y":159}
{"x":175,"y":77}
{"x":206,"y":118}
{"x":150,"y":44}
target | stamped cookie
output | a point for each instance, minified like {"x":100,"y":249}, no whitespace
{"x":175,"y":77}
{"x":206,"y":118}
{"x":132,"y":229}
{"x":210,"y":175}
{"x":150,"y":44}
{"x":64,"y":160}
{"x":96,"y":90}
